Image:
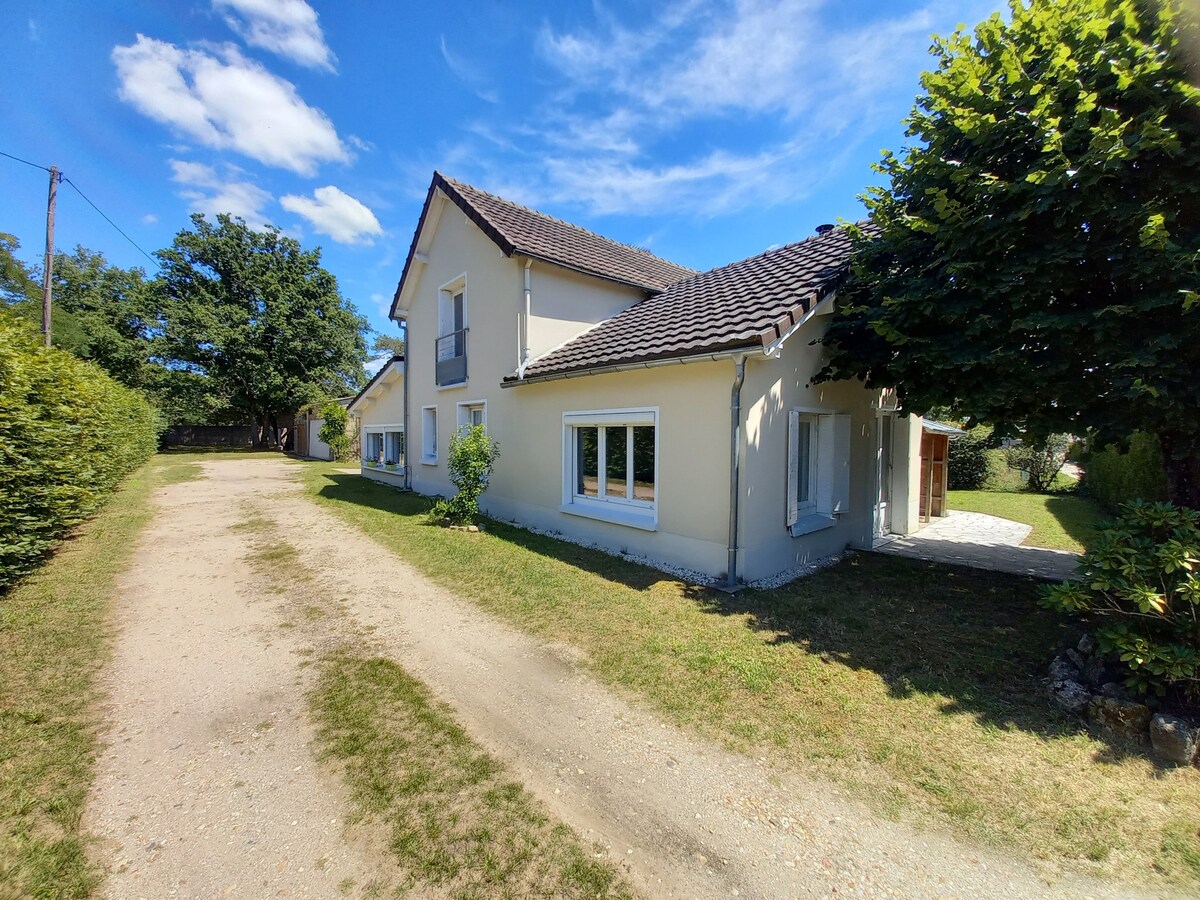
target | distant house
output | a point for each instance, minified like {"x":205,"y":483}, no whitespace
{"x":379,"y":410}
{"x":306,"y":430}
{"x":639,"y":405}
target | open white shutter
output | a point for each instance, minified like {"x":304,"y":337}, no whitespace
{"x":833,"y":465}
{"x":840,"y":465}
{"x":793,"y":462}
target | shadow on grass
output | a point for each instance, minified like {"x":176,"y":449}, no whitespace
{"x":180,"y":450}
{"x":1079,"y":516}
{"x":977,"y":638}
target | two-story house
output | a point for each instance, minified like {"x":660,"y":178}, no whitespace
{"x":639,"y":405}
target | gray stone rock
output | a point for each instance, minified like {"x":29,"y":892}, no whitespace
{"x":1113,"y":689}
{"x":1062,"y":670}
{"x":1093,"y":672}
{"x":1087,"y":645}
{"x":1076,"y":659}
{"x":1123,"y":717}
{"x":1070,"y":696}
{"x":1174,"y":739}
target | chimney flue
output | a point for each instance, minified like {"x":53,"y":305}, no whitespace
{"x":824,"y":229}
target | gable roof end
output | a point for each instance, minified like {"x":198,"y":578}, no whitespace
{"x":517,"y":229}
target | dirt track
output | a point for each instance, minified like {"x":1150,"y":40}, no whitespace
{"x":199,"y":796}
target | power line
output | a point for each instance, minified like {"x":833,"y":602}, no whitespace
{"x":89,"y":203}
{"x":110,"y":221}
{"x":27,"y":162}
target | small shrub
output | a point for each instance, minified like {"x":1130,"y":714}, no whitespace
{"x":1041,"y":460}
{"x":1141,"y":575}
{"x":969,"y":463}
{"x":471,"y":457}
{"x":68,"y":435}
{"x":333,"y":430}
{"x":1114,"y":477}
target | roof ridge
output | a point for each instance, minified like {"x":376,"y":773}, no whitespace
{"x":537,"y":212}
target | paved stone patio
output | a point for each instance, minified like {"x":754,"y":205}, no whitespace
{"x":982,"y":542}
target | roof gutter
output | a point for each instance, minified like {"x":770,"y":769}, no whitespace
{"x":633,"y":367}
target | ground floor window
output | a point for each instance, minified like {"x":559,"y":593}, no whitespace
{"x":373,"y":446}
{"x":429,"y":435}
{"x":384,"y":445}
{"x":818,"y":476}
{"x":610,"y":465}
{"x":472,"y":413}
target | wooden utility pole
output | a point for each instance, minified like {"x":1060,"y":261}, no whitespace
{"x":48,"y":269}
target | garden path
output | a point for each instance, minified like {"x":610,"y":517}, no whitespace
{"x":980,"y":541}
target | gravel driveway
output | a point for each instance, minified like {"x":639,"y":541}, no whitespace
{"x":208,"y":786}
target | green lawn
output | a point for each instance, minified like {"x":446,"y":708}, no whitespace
{"x":1061,"y":521}
{"x":915,"y":686}
{"x":54,"y":638}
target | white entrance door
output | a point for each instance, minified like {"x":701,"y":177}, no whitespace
{"x":883,"y":474}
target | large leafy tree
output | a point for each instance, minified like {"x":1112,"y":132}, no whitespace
{"x":1034,"y":260}
{"x":109,"y":314}
{"x":254,"y":312}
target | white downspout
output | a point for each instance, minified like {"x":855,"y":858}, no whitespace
{"x":524,"y":360}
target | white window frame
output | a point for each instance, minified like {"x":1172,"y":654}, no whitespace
{"x":828,"y":470}
{"x":429,"y":435}
{"x":383,"y":431}
{"x":626,"y":511}
{"x":463,"y":411}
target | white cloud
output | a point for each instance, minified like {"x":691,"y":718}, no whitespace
{"x":34,"y":34}
{"x":149,"y":219}
{"x":212,"y":193}
{"x":359,"y":143}
{"x":796,"y":70}
{"x":335,"y":213}
{"x":468,"y":74}
{"x":226,"y":101}
{"x":286,"y":27}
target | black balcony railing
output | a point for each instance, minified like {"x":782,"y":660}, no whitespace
{"x":450,"y":352}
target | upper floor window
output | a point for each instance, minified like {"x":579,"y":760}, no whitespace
{"x":450,"y":347}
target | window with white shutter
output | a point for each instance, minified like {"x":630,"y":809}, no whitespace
{"x":818,"y":482}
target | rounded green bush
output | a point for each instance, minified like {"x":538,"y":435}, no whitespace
{"x":1141,"y":579}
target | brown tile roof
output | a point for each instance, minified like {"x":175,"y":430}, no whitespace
{"x":518,"y":229}
{"x":750,"y":303}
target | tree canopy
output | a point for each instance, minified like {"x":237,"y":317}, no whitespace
{"x":256,"y":315}
{"x":1033,"y":260}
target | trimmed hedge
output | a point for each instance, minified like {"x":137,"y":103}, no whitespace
{"x":1114,"y":478}
{"x":969,"y":463}
{"x":68,"y":434}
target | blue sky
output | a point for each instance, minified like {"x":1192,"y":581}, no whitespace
{"x":704,"y":130}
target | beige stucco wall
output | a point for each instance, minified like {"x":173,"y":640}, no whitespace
{"x":563,"y":304}
{"x":774,"y":387}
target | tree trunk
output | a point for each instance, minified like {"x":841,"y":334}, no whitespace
{"x":1181,"y":459}
{"x":260,"y":427}
{"x":274,"y":430}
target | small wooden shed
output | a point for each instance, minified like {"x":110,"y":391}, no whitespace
{"x":935,"y":467}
